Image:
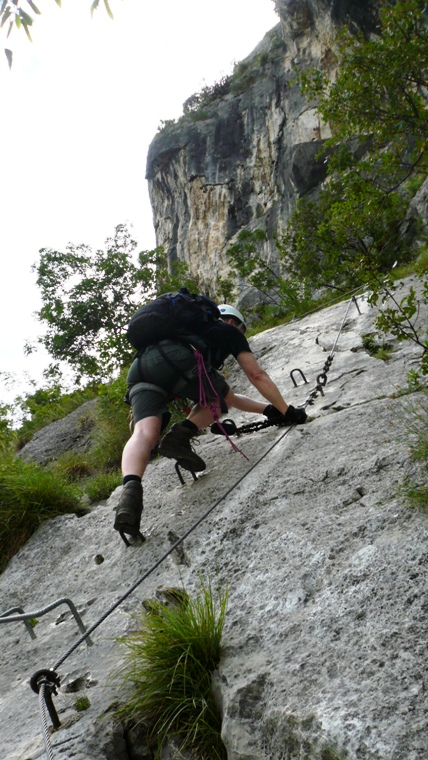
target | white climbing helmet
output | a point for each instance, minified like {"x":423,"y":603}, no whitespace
{"x":230,"y":311}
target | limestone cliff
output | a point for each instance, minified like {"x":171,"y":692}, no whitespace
{"x":243,"y":159}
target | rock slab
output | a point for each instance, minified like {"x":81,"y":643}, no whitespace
{"x":324,"y":649}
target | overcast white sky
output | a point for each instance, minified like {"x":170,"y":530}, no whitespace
{"x":78,"y":111}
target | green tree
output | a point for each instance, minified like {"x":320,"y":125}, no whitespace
{"x":89,"y":296}
{"x":285,"y":294}
{"x":381,"y":88}
{"x":377,"y":109}
{"x":350,"y":231}
{"x":87,"y":300}
{"x":170,"y":276}
{"x":378,"y":101}
{"x":18,"y":14}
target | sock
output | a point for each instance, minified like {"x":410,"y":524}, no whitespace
{"x":127,"y":478}
{"x":190,"y":426}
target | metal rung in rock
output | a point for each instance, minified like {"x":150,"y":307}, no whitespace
{"x":8,"y":617}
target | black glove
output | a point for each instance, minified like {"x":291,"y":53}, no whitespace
{"x":271,"y":412}
{"x":226,"y":426}
{"x":292,"y":416}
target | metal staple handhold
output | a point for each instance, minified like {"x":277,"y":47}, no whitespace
{"x":301,"y":373}
{"x":23,"y":617}
{"x":6,"y":617}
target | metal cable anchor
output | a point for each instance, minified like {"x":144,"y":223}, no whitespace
{"x":321,"y":381}
{"x":50,"y":682}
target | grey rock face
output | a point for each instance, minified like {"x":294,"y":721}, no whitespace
{"x":241,"y":166}
{"x":71,"y":433}
{"x":249,"y":155}
{"x":324,"y":649}
{"x":300,"y":16}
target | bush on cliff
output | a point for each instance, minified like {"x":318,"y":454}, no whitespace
{"x":169,"y":666}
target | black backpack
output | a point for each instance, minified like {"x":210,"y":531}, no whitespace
{"x":178,"y":315}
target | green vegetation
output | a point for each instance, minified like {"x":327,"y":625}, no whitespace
{"x":350,"y":235}
{"x":29,"y":495}
{"x":45,"y":405}
{"x":112,"y":426}
{"x":207,"y":95}
{"x":88,"y":297}
{"x":244,"y":75}
{"x":371,"y":344}
{"x":82,"y":703}
{"x":399,"y":318}
{"x":168,"y":672}
{"x":87,"y":300}
{"x":101,"y":486}
{"x":415,"y":415}
{"x":358,"y":227}
{"x":353,"y":231}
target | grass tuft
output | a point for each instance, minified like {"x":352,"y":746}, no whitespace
{"x":168,"y":672}
{"x":29,"y":495}
{"x":82,"y":703}
{"x":416,"y":426}
{"x":102,"y":485}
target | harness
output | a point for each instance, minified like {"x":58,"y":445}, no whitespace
{"x":184,"y":377}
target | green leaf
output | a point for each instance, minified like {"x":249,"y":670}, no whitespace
{"x":9,"y":56}
{"x":34,"y":7}
{"x":5,"y":17}
{"x":27,"y":31}
{"x":25,"y":18}
{"x":108,"y":9}
{"x":94,"y":6}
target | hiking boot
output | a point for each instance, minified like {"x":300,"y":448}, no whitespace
{"x":129,"y":509}
{"x":176,"y":445}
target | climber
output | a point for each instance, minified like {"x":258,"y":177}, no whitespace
{"x":161,"y":367}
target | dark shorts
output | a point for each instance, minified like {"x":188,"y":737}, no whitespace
{"x":153,"y":382}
